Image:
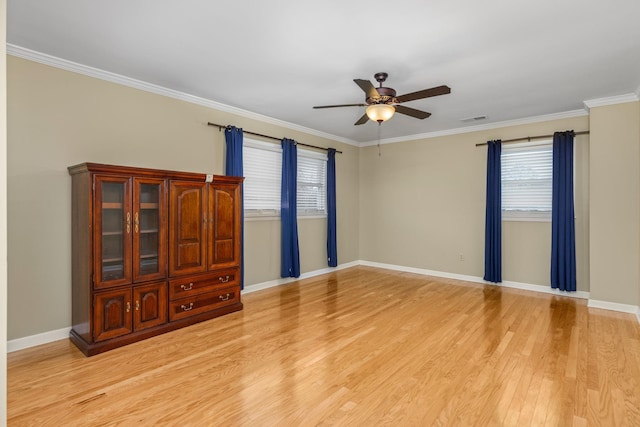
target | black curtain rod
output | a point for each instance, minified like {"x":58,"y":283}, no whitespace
{"x":220,"y":127}
{"x":529,"y":138}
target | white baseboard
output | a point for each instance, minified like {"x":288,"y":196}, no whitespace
{"x":624,"y":308}
{"x":476,"y":279}
{"x":544,"y":289}
{"x":277,"y":282}
{"x":423,"y":271}
{"x":38,"y":339}
{"x":47,"y":337}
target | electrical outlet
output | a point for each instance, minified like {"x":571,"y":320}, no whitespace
{"x":461,"y":256}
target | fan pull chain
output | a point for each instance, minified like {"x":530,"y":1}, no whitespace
{"x":379,"y":153}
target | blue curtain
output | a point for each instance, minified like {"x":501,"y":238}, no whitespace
{"x":493,"y":217}
{"x":233,"y":137}
{"x":290,"y":260}
{"x":563,"y":238}
{"x":332,"y":249}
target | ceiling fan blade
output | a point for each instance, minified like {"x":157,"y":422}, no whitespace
{"x":426,"y":93}
{"x":412,"y":112}
{"x":341,"y":105}
{"x":368,"y":88}
{"x":362,"y":120}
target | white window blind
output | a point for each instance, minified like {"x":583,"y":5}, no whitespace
{"x":312,"y":183}
{"x":526,"y":174}
{"x":262,"y":168}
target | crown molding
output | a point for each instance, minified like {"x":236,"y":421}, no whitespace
{"x":482,"y":127}
{"x":75,"y":67}
{"x":612,"y":100}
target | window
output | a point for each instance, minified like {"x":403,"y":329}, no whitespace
{"x":312,"y":183}
{"x":527,"y":181}
{"x":262,"y":166}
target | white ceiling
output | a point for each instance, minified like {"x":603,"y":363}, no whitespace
{"x":505,"y":59}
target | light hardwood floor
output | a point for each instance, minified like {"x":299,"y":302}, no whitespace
{"x":358,"y":347}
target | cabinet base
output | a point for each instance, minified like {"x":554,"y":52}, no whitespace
{"x":91,"y":349}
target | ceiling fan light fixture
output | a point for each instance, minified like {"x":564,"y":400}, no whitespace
{"x":382,"y":103}
{"x":380,"y":112}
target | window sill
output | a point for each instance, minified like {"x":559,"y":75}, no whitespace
{"x":526,"y":216}
{"x":262,"y":218}
{"x":312,"y":216}
{"x":277,"y":217}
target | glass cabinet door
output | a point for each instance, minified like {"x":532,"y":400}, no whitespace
{"x":149,"y":229}
{"x":112,"y":234}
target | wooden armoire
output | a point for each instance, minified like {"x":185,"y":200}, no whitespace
{"x":152,"y":251}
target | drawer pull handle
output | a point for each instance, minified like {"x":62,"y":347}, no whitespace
{"x":137,"y":305}
{"x":187,"y":287}
{"x":224,"y":280}
{"x":187,"y":308}
{"x":225,"y":297}
{"x":128,"y":306}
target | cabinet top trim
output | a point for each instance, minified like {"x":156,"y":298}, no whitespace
{"x":156,"y":173}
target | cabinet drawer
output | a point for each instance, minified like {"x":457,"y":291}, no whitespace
{"x":191,"y":306}
{"x":196,"y":285}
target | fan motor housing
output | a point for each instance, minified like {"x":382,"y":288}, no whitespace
{"x":387,"y":96}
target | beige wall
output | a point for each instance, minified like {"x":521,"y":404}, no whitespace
{"x":58,"y":118}
{"x":615,"y":203}
{"x":422,"y":204}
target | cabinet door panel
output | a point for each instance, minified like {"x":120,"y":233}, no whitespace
{"x":112,"y":314}
{"x":224,"y":226}
{"x":112,"y":232}
{"x":150,"y":302}
{"x":149,"y":229}
{"x":187,"y":251}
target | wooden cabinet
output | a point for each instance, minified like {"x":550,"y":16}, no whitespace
{"x":134,"y":231}
{"x":112,"y":315}
{"x":149,"y":229}
{"x":187,"y":253}
{"x":112,"y":231}
{"x":223,"y":232}
{"x":204,"y":235}
{"x":123,"y":311}
{"x":205,"y":227}
{"x":130,"y":229}
{"x":149,"y":305}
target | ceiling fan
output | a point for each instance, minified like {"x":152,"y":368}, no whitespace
{"x":382,"y":102}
